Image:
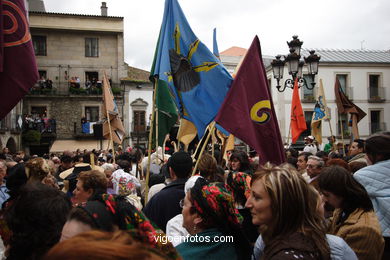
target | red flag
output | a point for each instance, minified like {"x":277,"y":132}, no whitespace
{"x":248,"y":111}
{"x":298,"y":123}
{"x":18,"y":68}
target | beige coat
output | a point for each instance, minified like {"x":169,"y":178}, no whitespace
{"x":362,"y":233}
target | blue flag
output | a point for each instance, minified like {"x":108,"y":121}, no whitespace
{"x":197,"y":80}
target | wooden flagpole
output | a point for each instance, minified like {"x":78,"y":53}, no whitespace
{"x":342,"y":133}
{"x":203,"y":147}
{"x":150,"y":139}
{"x":289,"y":134}
{"x":109,"y":120}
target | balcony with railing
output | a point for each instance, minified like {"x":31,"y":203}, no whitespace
{"x":377,"y":127}
{"x":376,"y":94}
{"x":67,"y":89}
{"x":40,"y":124}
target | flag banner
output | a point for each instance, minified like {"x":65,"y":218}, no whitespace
{"x":298,"y":122}
{"x":215,"y":45}
{"x":248,"y":111}
{"x":18,"y":68}
{"x":187,"y":132}
{"x":345,"y":106}
{"x":196,"y":79}
{"x":166,"y":112}
{"x":111,"y":115}
{"x":320,"y":113}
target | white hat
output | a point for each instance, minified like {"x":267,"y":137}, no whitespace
{"x":191,"y":182}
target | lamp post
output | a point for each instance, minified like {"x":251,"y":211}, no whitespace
{"x":295,"y":66}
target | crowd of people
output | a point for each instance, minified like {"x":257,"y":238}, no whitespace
{"x":101,"y":204}
{"x":41,"y":123}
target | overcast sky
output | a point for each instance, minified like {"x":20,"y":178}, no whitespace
{"x":330,"y":24}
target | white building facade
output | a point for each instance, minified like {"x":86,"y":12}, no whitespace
{"x":365,"y":78}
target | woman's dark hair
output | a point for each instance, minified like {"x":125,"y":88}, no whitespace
{"x":340,"y":182}
{"x":360,"y":143}
{"x":15,"y":179}
{"x":214,"y":218}
{"x":36,"y":219}
{"x":81,"y":215}
{"x":243,"y":158}
{"x":378,"y":147}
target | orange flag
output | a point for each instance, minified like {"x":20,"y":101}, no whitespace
{"x":298,"y":123}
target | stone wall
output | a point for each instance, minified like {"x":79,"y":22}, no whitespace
{"x":67,"y":110}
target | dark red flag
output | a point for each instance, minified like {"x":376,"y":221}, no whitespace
{"x":298,"y":122}
{"x":18,"y":72}
{"x":344,"y":105}
{"x":248,"y":111}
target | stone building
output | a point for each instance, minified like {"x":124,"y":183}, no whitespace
{"x":73,"y":51}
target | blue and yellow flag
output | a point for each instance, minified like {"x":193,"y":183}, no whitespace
{"x":320,"y":113}
{"x":197,"y":80}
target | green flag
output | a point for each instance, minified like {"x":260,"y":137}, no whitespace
{"x":167,"y":113}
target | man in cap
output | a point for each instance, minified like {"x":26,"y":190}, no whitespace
{"x":166,"y":203}
{"x":310,"y":147}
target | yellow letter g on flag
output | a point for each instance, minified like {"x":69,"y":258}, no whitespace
{"x":261,"y":106}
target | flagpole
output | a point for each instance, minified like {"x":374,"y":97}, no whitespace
{"x":108,"y":119}
{"x":150,"y":139}
{"x":342,"y":134}
{"x":289,"y":134}
{"x":223,"y":148}
{"x":213,"y":138}
{"x":156,"y":119}
{"x":331,"y":134}
{"x":204,"y":147}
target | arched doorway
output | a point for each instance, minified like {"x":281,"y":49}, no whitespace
{"x":11,"y":145}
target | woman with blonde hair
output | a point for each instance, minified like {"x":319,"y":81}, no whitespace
{"x":290,"y":224}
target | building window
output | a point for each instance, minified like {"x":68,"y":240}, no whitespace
{"x":376,"y":125}
{"x":374,"y":86}
{"x":139,"y":121}
{"x":39,"y":43}
{"x":92,"y":114}
{"x":91,"y":47}
{"x":308,"y":94}
{"x":343,"y":82}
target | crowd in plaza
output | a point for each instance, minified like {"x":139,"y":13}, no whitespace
{"x":102,"y":204}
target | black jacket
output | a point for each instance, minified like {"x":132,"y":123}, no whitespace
{"x":166,"y":203}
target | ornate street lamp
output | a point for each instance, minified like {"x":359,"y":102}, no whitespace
{"x":295,"y":66}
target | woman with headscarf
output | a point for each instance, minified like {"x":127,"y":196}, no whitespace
{"x":104,"y":246}
{"x":239,"y":184}
{"x":354,"y":218}
{"x":291,"y":226}
{"x":210,"y":217}
{"x":109,"y":213}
